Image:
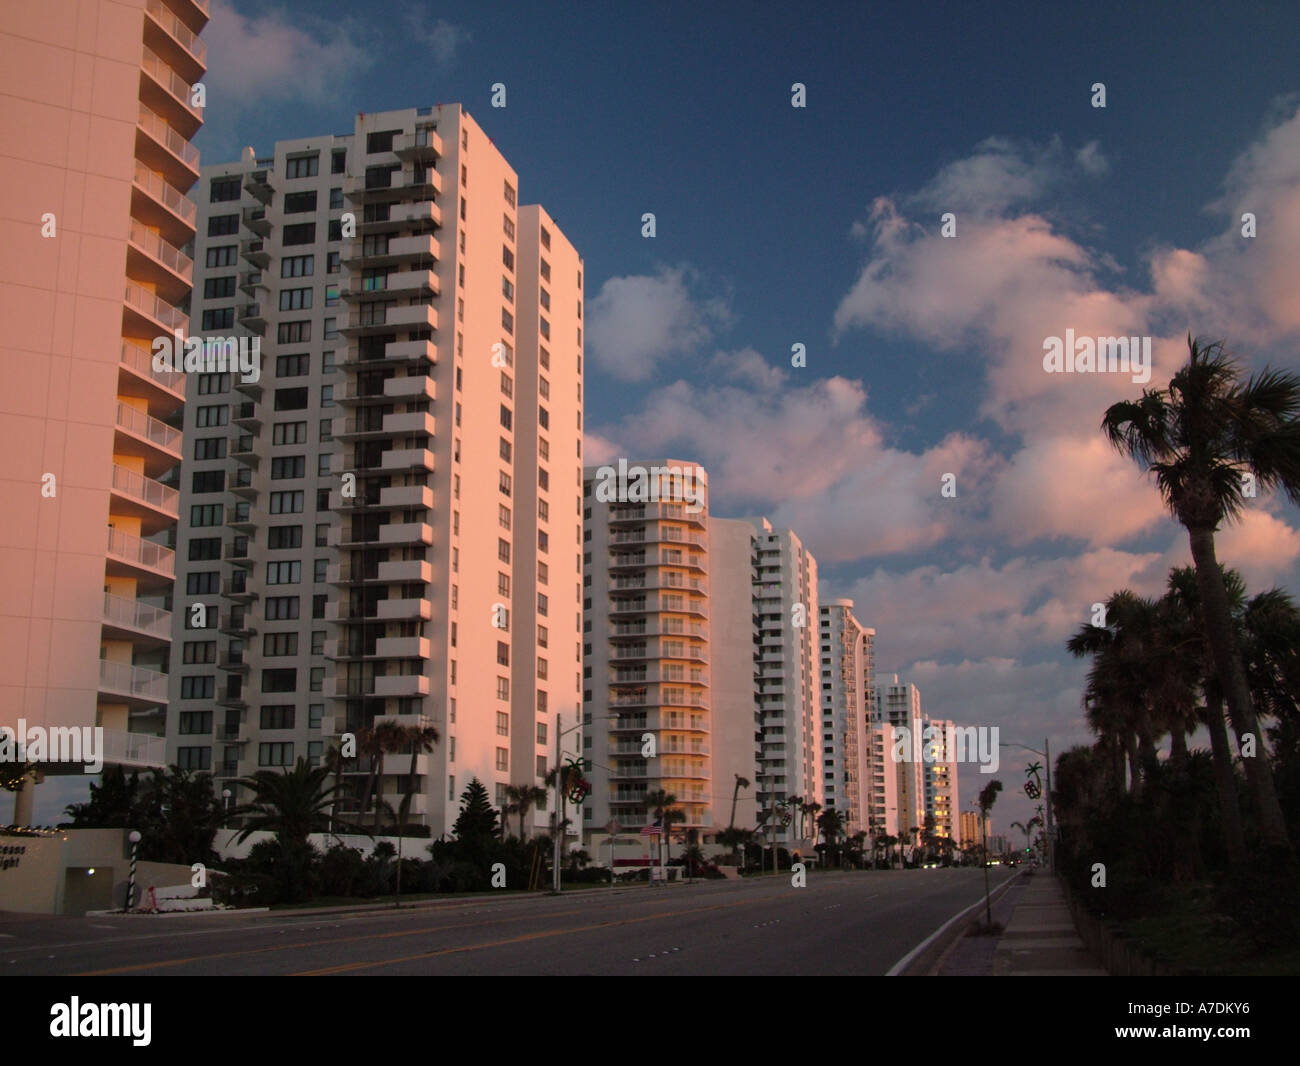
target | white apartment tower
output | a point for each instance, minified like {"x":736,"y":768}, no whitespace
{"x":898,"y":707}
{"x":788,"y":677}
{"x":939,"y":775}
{"x":99,"y":114}
{"x":382,"y":525}
{"x":847,"y":695}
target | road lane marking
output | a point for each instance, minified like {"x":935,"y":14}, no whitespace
{"x":349,"y":967}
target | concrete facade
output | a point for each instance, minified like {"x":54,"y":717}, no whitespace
{"x":97,"y":115}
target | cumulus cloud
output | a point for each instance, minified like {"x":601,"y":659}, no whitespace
{"x":637,"y":322}
{"x":275,"y":55}
{"x":443,"y":39}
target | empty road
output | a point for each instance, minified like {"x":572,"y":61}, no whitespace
{"x":840,"y":924}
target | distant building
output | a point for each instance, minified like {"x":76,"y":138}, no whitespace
{"x":848,"y":692}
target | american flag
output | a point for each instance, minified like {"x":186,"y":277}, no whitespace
{"x":653,"y":830}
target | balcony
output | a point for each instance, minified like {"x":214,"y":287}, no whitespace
{"x":133,"y":751}
{"x":402,"y":686}
{"x":419,"y":215}
{"x":238,"y":591}
{"x":371,"y":320}
{"x":402,"y":533}
{"x":399,"y":285}
{"x":254,"y":218}
{"x":130,"y":619}
{"x":416,"y":387}
{"x":403,"y":610}
{"x":406,"y":496}
{"x":258,"y":185}
{"x":402,"y":648}
{"x":234,"y":665}
{"x":406,"y":570}
{"x":173,"y":41}
{"x":242,"y":485}
{"x":255,"y":252}
{"x":237,"y":625}
{"x":421,"y":146}
{"x":409,"y":423}
{"x":147,"y":316}
{"x":142,"y":436}
{"x":156,"y":505}
{"x":162,"y":389}
{"x":167,"y":93}
{"x":163,"y":149}
{"x":252,"y":283}
{"x":237,"y":555}
{"x":161,"y":206}
{"x":253,"y":318}
{"x":232,"y":698}
{"x":121,"y":682}
{"x":246,"y":416}
{"x":150,"y":564}
{"x":242,"y":448}
{"x":407,"y":459}
{"x":152,"y":259}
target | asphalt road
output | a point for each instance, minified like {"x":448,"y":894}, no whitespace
{"x":840,"y":924}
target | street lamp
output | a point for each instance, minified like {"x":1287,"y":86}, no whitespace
{"x":134,"y":838}
{"x":559,"y":795}
{"x":1047,"y":757}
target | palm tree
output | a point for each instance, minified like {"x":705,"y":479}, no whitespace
{"x":384,"y":738}
{"x":831,"y":823}
{"x":795,"y":803}
{"x":523,"y":798}
{"x":662,"y":803}
{"x":292,"y":804}
{"x":988,"y":797}
{"x":1184,"y":603}
{"x":1199,"y":437}
{"x":810,"y":809}
{"x":422,"y":739}
{"x":741,"y":782}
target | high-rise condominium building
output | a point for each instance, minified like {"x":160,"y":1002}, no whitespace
{"x":847,"y":694}
{"x":939,"y":774}
{"x":387,"y":523}
{"x":646,"y":707}
{"x":898,"y":708}
{"x":669,"y":691}
{"x":972,"y":832}
{"x":99,"y":113}
{"x":788,"y":677}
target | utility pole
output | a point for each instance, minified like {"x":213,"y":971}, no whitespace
{"x":559,"y":804}
{"x":1051,"y":841}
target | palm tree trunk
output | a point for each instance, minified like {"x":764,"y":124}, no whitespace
{"x":1134,"y":768}
{"x":1217,"y":617}
{"x":1229,"y":809}
{"x":1178,"y":744}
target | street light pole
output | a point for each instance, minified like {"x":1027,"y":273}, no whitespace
{"x":1046,"y":753}
{"x":134,"y":838}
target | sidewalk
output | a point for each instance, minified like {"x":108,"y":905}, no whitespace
{"x":1039,"y":938}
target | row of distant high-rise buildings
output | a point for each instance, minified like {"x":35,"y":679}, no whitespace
{"x":364,"y":500}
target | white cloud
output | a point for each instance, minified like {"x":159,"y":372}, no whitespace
{"x":636,"y":322}
{"x":276,"y":55}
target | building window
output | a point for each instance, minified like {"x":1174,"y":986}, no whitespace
{"x":299,"y":233}
{"x":288,"y":572}
{"x":507,"y":257}
{"x":194,"y":758}
{"x":507,"y":322}
{"x":295,"y":203}
{"x":277,"y":716}
{"x":503,"y":584}
{"x":275,"y":754}
{"x":510,"y":194}
{"x":222,"y":256}
{"x":503,"y":724}
{"x":509,"y":227}
{"x":503,"y":759}
{"x":219,"y":288}
{"x":218,"y":318}
{"x":305,"y":166}
{"x":223,"y":189}
{"x":503,"y":653}
{"x":295,"y":299}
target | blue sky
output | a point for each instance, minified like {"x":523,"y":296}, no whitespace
{"x":819,"y":225}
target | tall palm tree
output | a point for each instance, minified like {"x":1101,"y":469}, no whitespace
{"x":811,"y":809}
{"x":384,"y":738}
{"x":741,"y":782}
{"x":1184,"y":600}
{"x":422,"y":739}
{"x":292,"y":804}
{"x":1199,"y":437}
{"x":523,"y":798}
{"x":662,"y":803}
{"x":831,"y":823}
